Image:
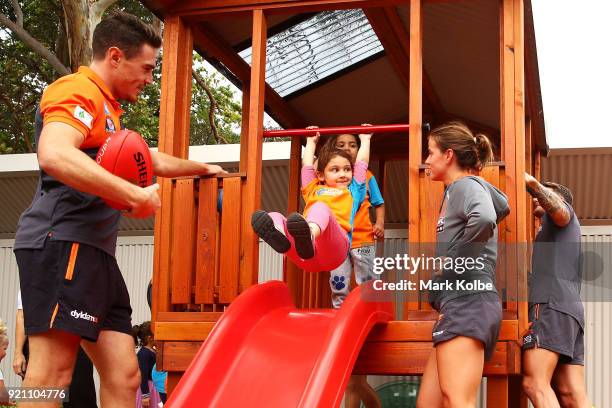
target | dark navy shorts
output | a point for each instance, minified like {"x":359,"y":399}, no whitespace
{"x":477,"y":316}
{"x":556,"y":331}
{"x":72,"y":287}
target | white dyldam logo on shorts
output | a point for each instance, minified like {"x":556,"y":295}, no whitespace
{"x":84,"y":316}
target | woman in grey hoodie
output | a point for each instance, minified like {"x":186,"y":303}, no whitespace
{"x":463,"y":287}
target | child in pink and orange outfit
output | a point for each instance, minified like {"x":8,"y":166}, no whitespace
{"x":320,"y":240}
{"x":363,"y":248}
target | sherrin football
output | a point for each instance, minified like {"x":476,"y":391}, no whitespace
{"x":126,"y":154}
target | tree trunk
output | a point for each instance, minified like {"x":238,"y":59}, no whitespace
{"x":61,"y":44}
{"x":78,"y":32}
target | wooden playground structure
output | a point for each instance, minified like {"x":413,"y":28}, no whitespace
{"x":204,"y":258}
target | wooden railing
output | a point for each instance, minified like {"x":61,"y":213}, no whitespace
{"x":204,"y":272}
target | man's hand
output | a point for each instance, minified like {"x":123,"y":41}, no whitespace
{"x":214,"y":170}
{"x":146,"y":203}
{"x":551,"y":202}
{"x":438,"y":271}
{"x":530,"y":181}
{"x":19,"y":364}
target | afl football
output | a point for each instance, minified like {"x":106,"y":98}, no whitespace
{"x":126,"y":154}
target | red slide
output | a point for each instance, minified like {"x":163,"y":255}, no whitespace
{"x":263,"y":352}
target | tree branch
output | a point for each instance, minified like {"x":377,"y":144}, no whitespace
{"x":34,"y":45}
{"x":97,"y":8}
{"x":104,"y":4}
{"x":213,"y":106}
{"x":34,"y":66}
{"x":18,"y":12}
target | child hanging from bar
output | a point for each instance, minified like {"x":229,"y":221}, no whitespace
{"x":320,"y":240}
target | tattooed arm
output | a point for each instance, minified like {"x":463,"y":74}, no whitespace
{"x":550,"y":201}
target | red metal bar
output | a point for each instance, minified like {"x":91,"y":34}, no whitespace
{"x":336,"y":130}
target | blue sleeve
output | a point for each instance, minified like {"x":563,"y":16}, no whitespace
{"x":376,"y":197}
{"x":358,"y":191}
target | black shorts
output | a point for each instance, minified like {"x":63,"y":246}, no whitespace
{"x":556,"y":331}
{"x":72,"y":287}
{"x":478,"y":316}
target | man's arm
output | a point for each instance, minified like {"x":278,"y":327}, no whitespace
{"x":60,"y":157}
{"x":550,"y":201}
{"x":19,"y":361}
{"x":166,"y":165}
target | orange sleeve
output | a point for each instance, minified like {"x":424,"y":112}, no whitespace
{"x":67,"y":102}
{"x":309,"y":189}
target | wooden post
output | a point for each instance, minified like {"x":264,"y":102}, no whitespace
{"x":292,"y":274}
{"x":244,"y":154}
{"x":519,"y":120}
{"x":512,"y":58}
{"x":415,"y":115}
{"x":252,"y":190}
{"x":537,"y":173}
{"x":174,"y":140}
{"x":497,"y":391}
{"x":244,"y":128}
{"x":509,"y":139}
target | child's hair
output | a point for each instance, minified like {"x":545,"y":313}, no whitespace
{"x":473,"y":152}
{"x":142,"y":333}
{"x":3,"y":331}
{"x":328,"y":152}
{"x":334,"y":138}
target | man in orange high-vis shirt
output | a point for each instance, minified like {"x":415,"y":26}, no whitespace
{"x":72,"y":289}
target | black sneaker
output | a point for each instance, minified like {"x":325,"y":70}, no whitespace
{"x":263,"y":225}
{"x":300,"y":231}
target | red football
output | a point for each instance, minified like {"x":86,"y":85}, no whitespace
{"x":126,"y":154}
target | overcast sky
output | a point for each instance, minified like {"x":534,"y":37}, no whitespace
{"x":574,"y":41}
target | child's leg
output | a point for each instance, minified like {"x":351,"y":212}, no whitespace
{"x":332,"y":245}
{"x":271,"y":227}
{"x":363,"y":263}
{"x":340,"y":282}
{"x":340,"y":278}
{"x":359,"y":390}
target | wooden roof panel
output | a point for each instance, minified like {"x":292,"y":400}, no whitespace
{"x":371,"y":93}
{"x":461,"y":59}
{"x":236,"y":29}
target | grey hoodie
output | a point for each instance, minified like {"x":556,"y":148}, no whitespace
{"x":467,"y":228}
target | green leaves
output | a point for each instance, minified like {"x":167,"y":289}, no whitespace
{"x":24,"y":75}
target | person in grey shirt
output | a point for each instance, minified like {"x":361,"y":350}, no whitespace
{"x":553,"y":347}
{"x":464,"y":294}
